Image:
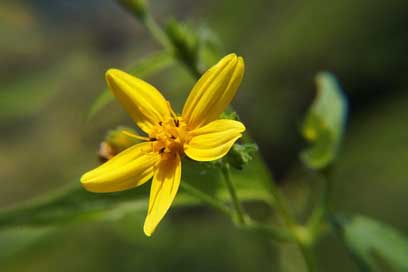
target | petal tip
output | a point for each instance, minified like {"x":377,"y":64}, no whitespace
{"x":231,"y":55}
{"x":84,"y":179}
{"x":241,"y":126}
{"x":229,"y":58}
{"x":87,"y":185}
{"x":110,"y":74}
{"x":241,"y":63}
{"x":147,"y":229}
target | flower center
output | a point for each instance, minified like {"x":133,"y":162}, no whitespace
{"x":169,"y":137}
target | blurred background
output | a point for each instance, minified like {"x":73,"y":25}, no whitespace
{"x":53,"y":55}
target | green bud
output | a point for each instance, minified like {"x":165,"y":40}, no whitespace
{"x":231,"y":115}
{"x":185,"y":42}
{"x":137,"y":7}
{"x":241,"y":154}
{"x":115,"y":142}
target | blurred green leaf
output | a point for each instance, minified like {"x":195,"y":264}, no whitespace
{"x":30,"y":93}
{"x":210,"y":46}
{"x":137,"y":7}
{"x":143,"y":68}
{"x":16,"y":240}
{"x":69,"y":204}
{"x":324,"y":124}
{"x":371,"y":242}
{"x":185,"y":41}
{"x":76,"y":204}
{"x":241,"y":154}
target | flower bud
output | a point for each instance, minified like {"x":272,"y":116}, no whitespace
{"x":137,"y":7}
{"x":115,"y":142}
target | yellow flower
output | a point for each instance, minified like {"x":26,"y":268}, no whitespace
{"x":196,"y":133}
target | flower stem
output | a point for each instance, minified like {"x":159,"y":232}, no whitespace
{"x":240,"y":214}
{"x":157,"y":32}
{"x":300,"y":234}
{"x":140,"y":10}
{"x":213,"y":202}
{"x":277,"y":234}
{"x":309,"y":257}
{"x":319,"y":214}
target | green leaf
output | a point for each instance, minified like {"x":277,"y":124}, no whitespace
{"x":74,"y":204}
{"x":241,"y":154}
{"x":70,"y":204}
{"x":185,"y":43}
{"x":29,"y":94}
{"x":324,"y":124}
{"x":15,"y":240}
{"x":143,"y":68}
{"x":372,"y":242}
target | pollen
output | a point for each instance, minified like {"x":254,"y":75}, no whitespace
{"x":169,"y":137}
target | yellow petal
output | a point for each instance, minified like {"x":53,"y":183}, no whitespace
{"x":214,"y":140}
{"x":214,"y":91}
{"x":165,"y":184}
{"x":142,"y":101}
{"x":128,"y":169}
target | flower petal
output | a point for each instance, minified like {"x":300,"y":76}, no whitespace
{"x":214,"y":140}
{"x":165,"y":184}
{"x":142,"y":101}
{"x":214,"y":91}
{"x":128,"y":169}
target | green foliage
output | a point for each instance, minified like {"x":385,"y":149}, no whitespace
{"x":137,"y":7}
{"x":69,"y":204}
{"x":324,"y":124}
{"x":230,"y":114}
{"x":76,"y":204}
{"x":145,"y":67}
{"x":209,"y":46}
{"x":37,"y":88}
{"x":372,"y":242}
{"x":241,"y":154}
{"x":196,"y":47}
{"x":118,"y":140}
{"x":17,"y":239}
{"x":185,"y":44}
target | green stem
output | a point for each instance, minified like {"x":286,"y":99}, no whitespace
{"x":161,"y":36}
{"x":140,"y":10}
{"x":276,"y":233}
{"x":145,"y":17}
{"x":300,"y":234}
{"x":240,"y":214}
{"x":319,"y":214}
{"x":157,"y":32}
{"x":309,"y":257}
{"x":213,"y":202}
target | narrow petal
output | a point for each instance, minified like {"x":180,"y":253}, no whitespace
{"x":214,"y":91}
{"x":165,"y":184}
{"x":214,"y":140}
{"x":128,"y":169}
{"x":142,"y":101}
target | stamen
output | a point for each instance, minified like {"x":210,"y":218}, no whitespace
{"x":177,"y":122}
{"x":173,"y":114}
{"x":173,"y":137}
{"x":134,"y":135}
{"x":162,"y":150}
{"x":160,"y":123}
{"x":152,"y":139}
